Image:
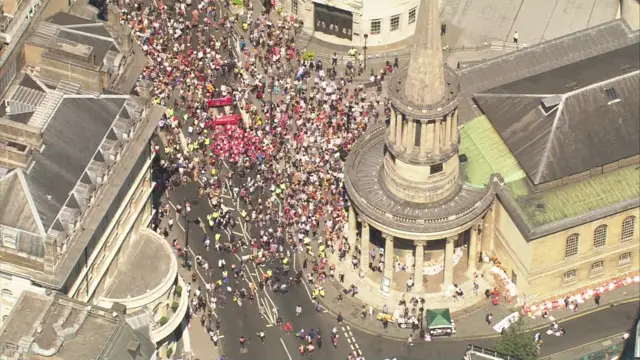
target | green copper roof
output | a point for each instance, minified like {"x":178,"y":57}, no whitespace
{"x":487,"y":154}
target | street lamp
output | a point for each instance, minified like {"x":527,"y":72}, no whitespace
{"x":186,"y":224}
{"x":366,"y":36}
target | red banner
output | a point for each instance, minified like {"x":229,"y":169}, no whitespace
{"x":227,"y":120}
{"x":225,"y":101}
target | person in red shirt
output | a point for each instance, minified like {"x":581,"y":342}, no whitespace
{"x":287,"y":328}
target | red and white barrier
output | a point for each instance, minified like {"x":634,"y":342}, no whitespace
{"x":581,"y":297}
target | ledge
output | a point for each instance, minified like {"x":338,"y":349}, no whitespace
{"x":161,"y":333}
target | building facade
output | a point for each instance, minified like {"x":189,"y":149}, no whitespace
{"x":347,"y":22}
{"x":451,"y":180}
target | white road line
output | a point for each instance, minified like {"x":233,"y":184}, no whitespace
{"x":181,"y":227}
{"x":285,"y":349}
{"x":349,"y":340}
{"x":239,"y":234}
{"x":351,"y":334}
{"x":348,"y":328}
{"x":351,"y":347}
{"x":269,"y":325}
{"x":173,"y":206}
{"x":356,"y":344}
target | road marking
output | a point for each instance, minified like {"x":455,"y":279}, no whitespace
{"x":239,"y":234}
{"x":285,"y":349}
{"x":352,"y":348}
{"x":269,"y":325}
{"x":173,"y":206}
{"x":181,"y":227}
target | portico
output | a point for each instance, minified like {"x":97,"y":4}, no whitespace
{"x":441,"y":253}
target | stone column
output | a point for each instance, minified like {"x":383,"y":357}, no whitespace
{"x":398,"y":130}
{"x":436,"y":138}
{"x":454,"y":127}
{"x":448,"y":261}
{"x":424,"y":144}
{"x":364,"y":246}
{"x":411,"y":139}
{"x":352,"y":228}
{"x":473,"y":250}
{"x":392,"y":127}
{"x":447,"y":131}
{"x":418,"y":274}
{"x":405,"y":132}
{"x":388,"y":257}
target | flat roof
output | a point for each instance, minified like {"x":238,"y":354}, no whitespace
{"x":144,"y":268}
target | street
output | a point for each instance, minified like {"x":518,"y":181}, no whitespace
{"x":254,"y":317}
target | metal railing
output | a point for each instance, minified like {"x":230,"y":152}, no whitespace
{"x":478,"y":353}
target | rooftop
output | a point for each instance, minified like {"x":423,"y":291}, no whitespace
{"x":68,"y":329}
{"x":577,"y":117}
{"x":72,"y":140}
{"x":144,"y":268}
{"x":546,"y":211}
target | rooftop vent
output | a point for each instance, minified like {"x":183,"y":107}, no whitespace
{"x":463,"y":158}
{"x":612,"y":94}
{"x":550,"y":104}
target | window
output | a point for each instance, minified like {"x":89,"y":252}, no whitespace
{"x":600,"y":236}
{"x":628,"y":228}
{"x":597,"y":268}
{"x":571,"y":247}
{"x":412,"y":16}
{"x":437,"y":168}
{"x":376,"y":26}
{"x":624,"y":259}
{"x":395,"y":22}
{"x":294,"y":7}
{"x":10,"y":238}
{"x":570,"y":276}
{"x":7,"y":293}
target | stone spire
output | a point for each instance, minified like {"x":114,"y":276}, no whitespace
{"x":425,"y":80}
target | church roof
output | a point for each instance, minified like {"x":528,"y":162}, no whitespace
{"x":570,"y":119}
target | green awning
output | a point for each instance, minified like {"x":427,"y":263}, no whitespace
{"x":438,"y":318}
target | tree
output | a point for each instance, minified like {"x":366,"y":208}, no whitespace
{"x":516,"y":342}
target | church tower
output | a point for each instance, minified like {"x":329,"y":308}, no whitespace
{"x":421,"y":142}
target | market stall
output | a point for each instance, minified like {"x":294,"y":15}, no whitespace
{"x":439,"y":322}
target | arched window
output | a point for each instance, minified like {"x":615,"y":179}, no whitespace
{"x":597,"y":267}
{"x":600,"y":236}
{"x":571,"y":248}
{"x":628,"y":228}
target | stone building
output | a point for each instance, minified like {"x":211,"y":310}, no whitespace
{"x":51,"y":325}
{"x":67,"y":47}
{"x":504,"y":159}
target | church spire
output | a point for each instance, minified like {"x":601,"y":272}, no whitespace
{"x":424,"y":84}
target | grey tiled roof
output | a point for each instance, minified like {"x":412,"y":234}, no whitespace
{"x":546,"y":56}
{"x":72,"y":136}
{"x":587,"y":130}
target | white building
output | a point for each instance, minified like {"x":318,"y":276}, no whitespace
{"x":347,"y":22}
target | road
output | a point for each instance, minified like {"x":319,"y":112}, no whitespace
{"x":252,"y":318}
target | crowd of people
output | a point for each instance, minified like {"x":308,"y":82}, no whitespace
{"x":284,"y":160}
